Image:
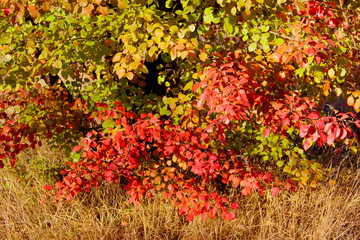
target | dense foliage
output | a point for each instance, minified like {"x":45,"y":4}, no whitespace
{"x":189,"y":98}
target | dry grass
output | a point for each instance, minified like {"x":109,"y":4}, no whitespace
{"x":329,"y":212}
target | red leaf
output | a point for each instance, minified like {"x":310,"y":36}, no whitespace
{"x":236,"y":182}
{"x":47,"y":187}
{"x":244,"y":192}
{"x":213,"y":212}
{"x":331,"y":4}
{"x":307,"y":143}
{"x":275,"y":191}
{"x":235,"y":205}
{"x":304,"y":130}
{"x":266,"y":132}
{"x":313,"y":115}
{"x":190,"y":217}
{"x":2,"y":164}
{"x":203,"y":216}
{"x":7,"y":11}
{"x":303,"y":63}
{"x":76,"y":148}
{"x":231,"y":216}
{"x":343,"y":134}
{"x":330,"y":139}
{"x":333,"y":22}
{"x":12,"y":162}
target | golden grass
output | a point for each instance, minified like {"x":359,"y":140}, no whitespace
{"x":328,"y":212}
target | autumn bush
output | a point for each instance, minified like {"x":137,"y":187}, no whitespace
{"x":327,"y":212}
{"x":189,"y":99}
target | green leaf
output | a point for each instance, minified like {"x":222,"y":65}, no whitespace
{"x":188,"y":85}
{"x":208,"y":18}
{"x":266,"y":48}
{"x":76,"y":158}
{"x":265,"y":28}
{"x":5,"y":58}
{"x":252,"y":47}
{"x":256,"y":37}
{"x":228,"y":27}
{"x":279,"y":41}
{"x":280,"y":163}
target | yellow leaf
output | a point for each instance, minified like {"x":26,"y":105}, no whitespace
{"x":137,"y":57}
{"x":147,"y":17}
{"x":152,"y":51}
{"x":350,"y":101}
{"x":331,"y":73}
{"x":357,"y":105}
{"x":338,"y":91}
{"x":184,"y":54}
{"x":203,"y":56}
{"x":195,"y":119}
{"x":240,"y":3}
{"x":174,"y":29}
{"x":120,"y":73}
{"x":130,"y":75}
{"x":83,"y":3}
{"x":192,"y":27}
{"x":163,"y":45}
{"x":159,"y":32}
{"x":117,"y":57}
{"x":233,"y":11}
{"x":247,"y":7}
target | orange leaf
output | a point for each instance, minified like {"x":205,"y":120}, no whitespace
{"x":276,"y":57}
{"x":103,"y":10}
{"x":283,"y":31}
{"x":88,"y":9}
{"x":157,"y":180}
{"x":33,"y":12}
{"x":46,"y":6}
{"x":327,"y":86}
{"x":203,"y":56}
{"x":121,"y":5}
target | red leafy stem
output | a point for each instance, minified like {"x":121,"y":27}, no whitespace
{"x":23,"y":124}
{"x":149,"y":155}
{"x":231,"y":94}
